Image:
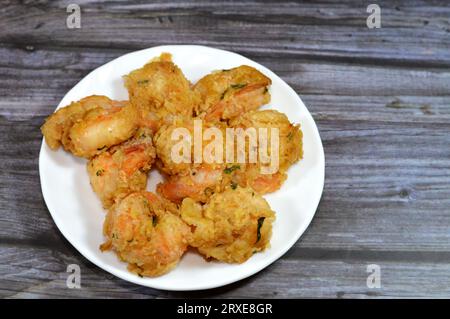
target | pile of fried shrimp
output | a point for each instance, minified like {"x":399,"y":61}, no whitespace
{"x":215,"y":209}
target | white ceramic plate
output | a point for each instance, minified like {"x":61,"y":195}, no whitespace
{"x":78,"y":213}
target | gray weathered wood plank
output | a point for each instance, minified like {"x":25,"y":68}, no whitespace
{"x":41,"y":273}
{"x":414,"y":32}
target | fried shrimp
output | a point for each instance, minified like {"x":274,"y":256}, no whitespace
{"x":232,"y":226}
{"x":187,"y":178}
{"x":290,"y":150}
{"x":123,"y":168}
{"x":90,"y":125}
{"x":169,"y":137}
{"x":143,"y":233}
{"x":161,"y":92}
{"x":199,"y":182}
{"x":227,"y":94}
{"x":198,"y":185}
{"x":165,"y":140}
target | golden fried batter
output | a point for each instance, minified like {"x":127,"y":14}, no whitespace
{"x":166,"y":140}
{"x":200,"y":181}
{"x":91,"y":125}
{"x":227,"y":94}
{"x":188,"y":179}
{"x":143,"y":233}
{"x":290,"y":150}
{"x":232,"y":226}
{"x":199,"y":184}
{"x":161,"y":92}
{"x":122,"y":169}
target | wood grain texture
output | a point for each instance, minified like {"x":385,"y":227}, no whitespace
{"x":381,"y":99}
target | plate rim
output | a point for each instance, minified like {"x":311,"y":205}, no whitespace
{"x":117,"y":272}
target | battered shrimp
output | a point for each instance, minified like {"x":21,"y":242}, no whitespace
{"x":198,"y":185}
{"x":122,"y":169}
{"x":232,"y":226}
{"x":229,"y":93}
{"x":161,"y":92}
{"x":145,"y":234}
{"x":290,"y":150}
{"x":187,"y":178}
{"x":201,"y":181}
{"x":57,"y":126}
{"x":90,"y":125}
{"x":101,"y":128}
{"x":165,"y":142}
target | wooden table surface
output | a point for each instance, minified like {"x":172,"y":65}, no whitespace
{"x":380,"y":97}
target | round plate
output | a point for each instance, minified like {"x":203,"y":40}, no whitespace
{"x":78,"y":213}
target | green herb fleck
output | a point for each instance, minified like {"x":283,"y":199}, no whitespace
{"x":230,"y":169}
{"x":223,"y":94}
{"x":258,"y":231}
{"x":238,"y":85}
{"x":140,"y":275}
{"x":289,"y":136}
{"x":140,"y":82}
{"x":100,"y":172}
{"x":233,"y":185}
{"x":154,"y":220}
{"x":115,"y":236}
{"x":266,"y":89}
